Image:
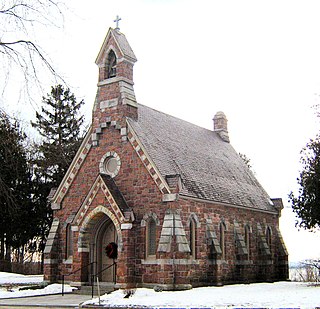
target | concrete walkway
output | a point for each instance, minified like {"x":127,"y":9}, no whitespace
{"x":47,"y":301}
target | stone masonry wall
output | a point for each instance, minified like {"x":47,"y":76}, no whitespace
{"x":133,"y":180}
{"x":143,"y":196}
{"x":206,"y":269}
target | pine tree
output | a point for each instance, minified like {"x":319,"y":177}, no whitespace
{"x":60,"y":125}
{"x":307,"y":204}
{"x":16,"y":213}
{"x":43,"y":212}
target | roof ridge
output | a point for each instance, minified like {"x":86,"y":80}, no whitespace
{"x":175,"y":117}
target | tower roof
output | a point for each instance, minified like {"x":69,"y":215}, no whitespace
{"x":122,"y":44}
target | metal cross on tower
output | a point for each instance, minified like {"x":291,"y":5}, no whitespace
{"x":117,"y":22}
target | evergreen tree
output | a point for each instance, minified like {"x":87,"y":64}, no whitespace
{"x":43,"y":213}
{"x":307,"y":204}
{"x":60,"y":125}
{"x":17,"y":211}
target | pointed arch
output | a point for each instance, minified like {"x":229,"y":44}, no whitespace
{"x":151,"y":233}
{"x":147,"y":216}
{"x":247,"y":238}
{"x":269,"y":237}
{"x":194,"y":217}
{"x":89,"y":222}
{"x":192,"y":238}
{"x":69,"y":242}
{"x":193,"y":224}
{"x":150,"y":221}
{"x":223,"y":229}
{"x":111,"y":65}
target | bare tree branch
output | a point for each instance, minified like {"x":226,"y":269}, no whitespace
{"x":11,"y":11}
{"x":32,"y":47}
{"x":22,"y":57}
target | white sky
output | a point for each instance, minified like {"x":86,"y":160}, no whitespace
{"x":257,"y":61}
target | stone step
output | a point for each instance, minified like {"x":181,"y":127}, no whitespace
{"x":87,"y":290}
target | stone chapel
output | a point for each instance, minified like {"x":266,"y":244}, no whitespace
{"x":152,"y":200}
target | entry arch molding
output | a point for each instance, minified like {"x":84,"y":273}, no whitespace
{"x":89,"y":223}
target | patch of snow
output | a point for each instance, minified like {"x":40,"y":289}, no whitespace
{"x":259,"y":295}
{"x":48,"y":290}
{"x":10,"y":284}
{"x":12,"y":278}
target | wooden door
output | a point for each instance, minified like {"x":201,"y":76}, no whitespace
{"x":110,"y":235}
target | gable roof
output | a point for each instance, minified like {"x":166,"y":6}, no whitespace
{"x":210,"y":168}
{"x":122,"y":43}
{"x":116,"y":193}
{"x":112,"y":194}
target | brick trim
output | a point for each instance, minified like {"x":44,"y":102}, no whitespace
{"x":107,"y":122}
{"x":106,"y":52}
{"x":146,"y":217}
{"x":109,"y":154}
{"x":241,"y":245}
{"x":283,"y":249}
{"x":262,"y":241}
{"x":72,"y":171}
{"x":51,"y":240}
{"x":194,"y":217}
{"x":98,"y":184}
{"x":172,"y":226}
{"x":84,"y":234}
{"x":212,"y":238}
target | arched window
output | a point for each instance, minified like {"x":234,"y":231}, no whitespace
{"x":151,"y":237}
{"x":192,"y":240}
{"x":111,"y":65}
{"x":268,"y":237}
{"x":247,"y":238}
{"x":69,"y":241}
{"x":223,"y":229}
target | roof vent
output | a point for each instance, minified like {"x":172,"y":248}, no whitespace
{"x":220,"y":125}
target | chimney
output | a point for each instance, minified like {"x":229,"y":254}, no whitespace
{"x":220,"y":126}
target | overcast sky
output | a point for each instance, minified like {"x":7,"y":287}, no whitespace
{"x":257,"y":61}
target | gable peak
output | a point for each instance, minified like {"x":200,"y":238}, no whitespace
{"x":116,"y":41}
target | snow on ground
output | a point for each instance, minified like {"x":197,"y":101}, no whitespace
{"x":11,"y":278}
{"x":10,"y":284}
{"x":260,"y":295}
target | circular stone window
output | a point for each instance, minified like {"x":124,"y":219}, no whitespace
{"x":110,"y":164}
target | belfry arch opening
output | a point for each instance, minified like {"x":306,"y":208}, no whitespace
{"x":111,"y":65}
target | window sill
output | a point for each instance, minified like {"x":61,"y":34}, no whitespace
{"x":169,"y":262}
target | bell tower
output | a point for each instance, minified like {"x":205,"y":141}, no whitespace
{"x":115,"y":98}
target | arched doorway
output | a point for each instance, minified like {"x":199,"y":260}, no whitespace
{"x":104,"y":232}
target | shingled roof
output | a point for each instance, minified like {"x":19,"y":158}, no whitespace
{"x":210,"y":168}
